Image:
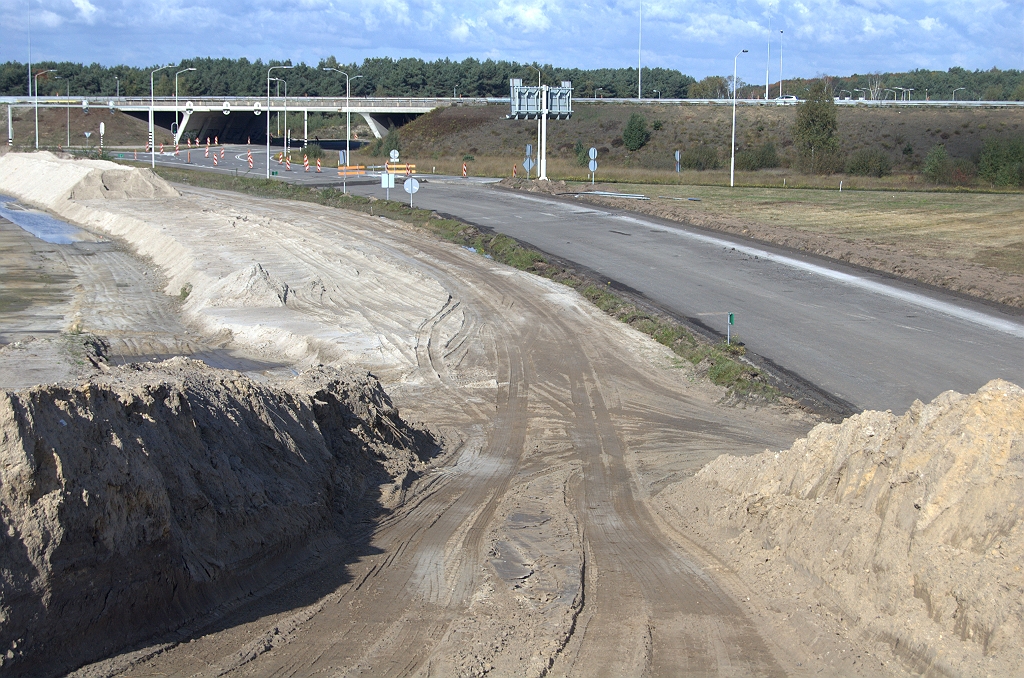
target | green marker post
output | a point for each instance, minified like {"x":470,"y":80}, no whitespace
{"x":728,"y":329}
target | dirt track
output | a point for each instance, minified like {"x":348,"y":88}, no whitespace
{"x":533,"y":550}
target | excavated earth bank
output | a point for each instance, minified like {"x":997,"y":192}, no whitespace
{"x":153,"y":492}
{"x":904,"y":529}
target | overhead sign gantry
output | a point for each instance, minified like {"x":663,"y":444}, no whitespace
{"x":543,"y":102}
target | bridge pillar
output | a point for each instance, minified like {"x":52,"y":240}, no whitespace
{"x":375,"y":126}
{"x":181,"y":126}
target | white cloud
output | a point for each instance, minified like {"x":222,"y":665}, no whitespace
{"x":930,"y":24}
{"x":85,"y":8}
{"x":49,"y":19}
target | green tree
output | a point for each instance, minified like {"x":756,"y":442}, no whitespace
{"x":815,"y":129}
{"x":635,"y":135}
{"x":937,"y":165}
{"x":710,"y":87}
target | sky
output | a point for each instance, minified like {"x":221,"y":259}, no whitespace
{"x":698,"y":37}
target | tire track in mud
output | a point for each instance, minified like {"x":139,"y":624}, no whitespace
{"x":647,"y":609}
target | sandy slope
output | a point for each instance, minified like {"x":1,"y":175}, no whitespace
{"x":536,"y":550}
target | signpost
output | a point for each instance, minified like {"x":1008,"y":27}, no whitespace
{"x":528,"y":163}
{"x":592,"y":164}
{"x":387,"y":182}
{"x":103,"y":129}
{"x":531,"y":103}
{"x":728,"y":328}
{"x":677,"y":162}
{"x":411,"y":186}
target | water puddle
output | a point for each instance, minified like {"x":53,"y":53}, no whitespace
{"x":42,"y":225}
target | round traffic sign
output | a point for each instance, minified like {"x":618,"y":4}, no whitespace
{"x":394,"y":155}
{"x":593,"y":165}
{"x":189,"y":107}
{"x":227,"y":108}
{"x":411,"y":185}
{"x":593,"y":153}
{"x":257,"y":108}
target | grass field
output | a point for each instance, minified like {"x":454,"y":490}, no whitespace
{"x":980,"y":227}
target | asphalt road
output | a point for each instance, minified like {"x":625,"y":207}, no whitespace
{"x":866,"y":339}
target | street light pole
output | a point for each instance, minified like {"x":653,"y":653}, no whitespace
{"x":732,"y":161}
{"x":36,"y":79}
{"x":658,"y":92}
{"x":768,"y":61}
{"x":639,"y":55}
{"x":957,"y":90}
{"x":67,"y":81}
{"x":780,"y":64}
{"x":177,"y":132}
{"x":117,"y":84}
{"x":152,"y":121}
{"x":268,"y":114}
{"x":348,"y":117}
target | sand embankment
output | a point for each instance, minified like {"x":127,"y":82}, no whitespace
{"x":908,"y":528}
{"x":279,"y":285}
{"x":144,"y":497}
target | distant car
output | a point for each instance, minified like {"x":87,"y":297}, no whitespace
{"x":786,"y":99}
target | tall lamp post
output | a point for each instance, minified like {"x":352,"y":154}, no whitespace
{"x":152,"y":122}
{"x":658,"y":92}
{"x":176,"y":130}
{"x":117,"y":86}
{"x":348,"y":114}
{"x":957,"y":90}
{"x":36,"y":79}
{"x":780,"y":64}
{"x":67,"y":81}
{"x":268,"y":113}
{"x":732,"y":160}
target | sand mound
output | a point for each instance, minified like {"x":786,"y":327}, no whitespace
{"x":138,"y":500}
{"x":910,"y":525}
{"x":249,"y":287}
{"x":44,"y":180}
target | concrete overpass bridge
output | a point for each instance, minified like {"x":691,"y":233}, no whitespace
{"x":236,"y":119}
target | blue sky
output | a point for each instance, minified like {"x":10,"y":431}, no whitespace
{"x":698,"y":37}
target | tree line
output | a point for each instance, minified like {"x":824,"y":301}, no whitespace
{"x":384,"y":76}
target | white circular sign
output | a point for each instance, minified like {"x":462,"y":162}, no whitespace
{"x":227,"y":108}
{"x":593,"y":165}
{"x":394,"y":155}
{"x":593,"y":153}
{"x":189,"y":107}
{"x":85,"y":104}
{"x":411,"y":185}
{"x":111,"y":104}
{"x":257,"y":108}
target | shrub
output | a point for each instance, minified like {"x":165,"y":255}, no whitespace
{"x":762,"y":157}
{"x":1002,"y":162}
{"x":582,"y":157}
{"x":700,"y":158}
{"x":869,"y":162}
{"x":635,"y":135}
{"x":314,"y":151}
{"x":657,"y":125}
{"x":937,"y":165}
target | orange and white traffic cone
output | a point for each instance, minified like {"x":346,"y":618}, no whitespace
{"x":216,"y":142}
{"x":287,"y":164}
{"x":188,"y":157}
{"x":161,"y":148}
{"x":176,"y":150}
{"x":250,"y":158}
{"x":206,"y":154}
{"x":305,"y":161}
{"x":214,"y":159}
{"x":514,"y":170}
{"x":465,"y":171}
{"x":221,"y":152}
{"x":318,"y":164}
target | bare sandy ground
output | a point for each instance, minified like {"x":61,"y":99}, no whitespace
{"x":537,"y":550}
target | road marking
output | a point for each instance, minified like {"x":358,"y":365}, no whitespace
{"x":1004,"y":325}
